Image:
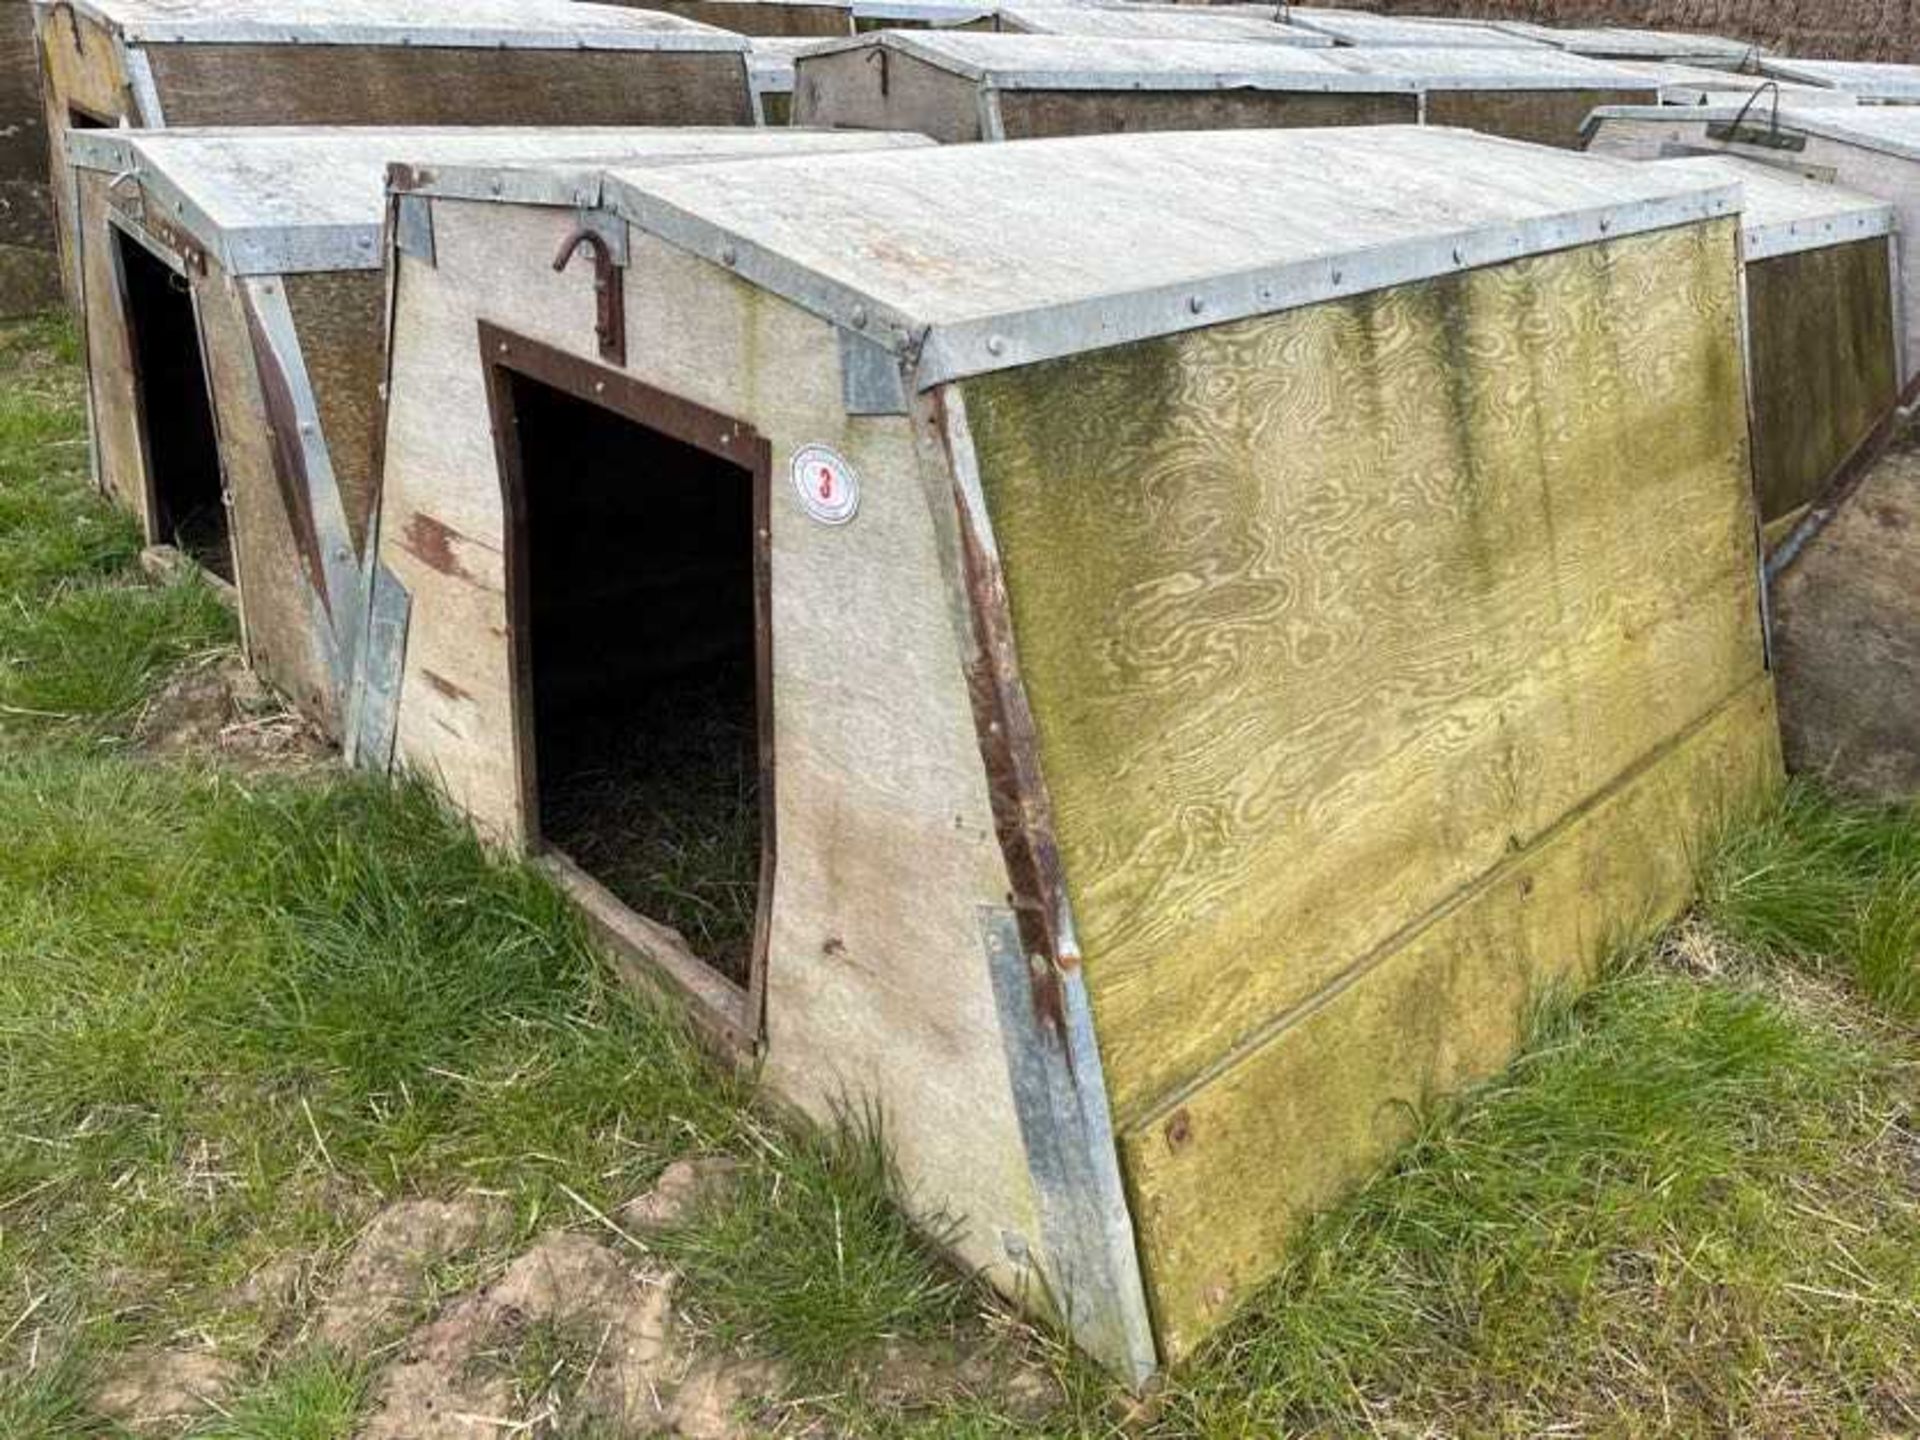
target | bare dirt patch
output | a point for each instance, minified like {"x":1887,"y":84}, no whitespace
{"x":157,"y":1391}
{"x":215,"y":708}
{"x":386,"y":1278}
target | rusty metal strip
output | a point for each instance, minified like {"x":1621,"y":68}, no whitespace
{"x":1092,"y":1268}
{"x":1046,"y":1021}
{"x":303,"y":466}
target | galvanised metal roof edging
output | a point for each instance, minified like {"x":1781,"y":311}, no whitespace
{"x":1786,"y":213}
{"x":954,"y":351}
{"x":338,"y":25}
{"x":1291,"y":68}
{"x":1853,"y":77}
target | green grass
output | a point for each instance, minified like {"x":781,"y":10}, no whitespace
{"x":82,"y":639}
{"x":237,"y":1015}
{"x":314,"y":1397}
{"x":1830,"y":885}
{"x":809,"y":1258}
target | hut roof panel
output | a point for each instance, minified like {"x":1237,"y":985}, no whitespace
{"x":1620,"y":43}
{"x":1078,"y":62}
{"x":1883,"y":129}
{"x":278,"y":201}
{"x":1683,"y":84}
{"x":992,"y":256}
{"x":1186,"y":22}
{"x":1783,"y":212}
{"x":1532,"y":68}
{"x":517,"y":24}
{"x":1854,"y":77}
{"x":1360,"y":28}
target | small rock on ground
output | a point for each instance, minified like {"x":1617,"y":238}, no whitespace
{"x":156,"y":1391}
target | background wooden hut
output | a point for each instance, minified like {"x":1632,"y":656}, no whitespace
{"x":923,"y":14}
{"x":154,"y":63}
{"x":1846,"y":625}
{"x":1867,"y":81}
{"x":1532,"y":93}
{"x":1871,"y":149}
{"x":1822,"y":348}
{"x":1682,"y":84}
{"x":1361,"y":29}
{"x":234,"y":317}
{"x":1614,"y":42}
{"x":819,"y":19}
{"x":1140,"y":22}
{"x":1213,"y":631}
{"x":960,"y":86}
{"x":29,"y":271}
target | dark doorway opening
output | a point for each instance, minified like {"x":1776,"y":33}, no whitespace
{"x":184,"y":493}
{"x":81,"y":119}
{"x":637,"y":560}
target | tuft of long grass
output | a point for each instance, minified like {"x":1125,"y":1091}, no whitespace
{"x":1830,"y":884}
{"x":810,"y":1256}
{"x":316,"y":1396}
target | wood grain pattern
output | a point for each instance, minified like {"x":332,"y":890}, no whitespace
{"x":1821,"y":352}
{"x":339,"y":316}
{"x":418,"y":85}
{"x":1323,"y":614}
{"x":1328,"y":1099}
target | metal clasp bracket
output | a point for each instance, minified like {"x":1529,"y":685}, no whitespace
{"x":610,"y":296}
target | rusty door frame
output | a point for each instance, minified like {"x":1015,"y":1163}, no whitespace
{"x":736,"y":1014}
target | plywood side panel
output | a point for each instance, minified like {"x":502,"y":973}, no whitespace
{"x":339,"y":315}
{"x":885,"y":90}
{"x":406,"y":85}
{"x":1323,"y":614}
{"x":878,"y":989}
{"x":1544,"y":117}
{"x":1821,"y":349}
{"x":285,"y":626}
{"x":1038,"y":114}
{"x":1225,"y":1180}
{"x":117,"y":443}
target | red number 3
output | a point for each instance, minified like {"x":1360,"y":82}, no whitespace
{"x":826,"y":483}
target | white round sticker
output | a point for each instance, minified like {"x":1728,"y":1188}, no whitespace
{"x":826,"y":484}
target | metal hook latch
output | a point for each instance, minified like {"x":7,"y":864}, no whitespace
{"x":610,"y":313}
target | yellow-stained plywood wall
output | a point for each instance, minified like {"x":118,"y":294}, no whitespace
{"x":1328,"y":617}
